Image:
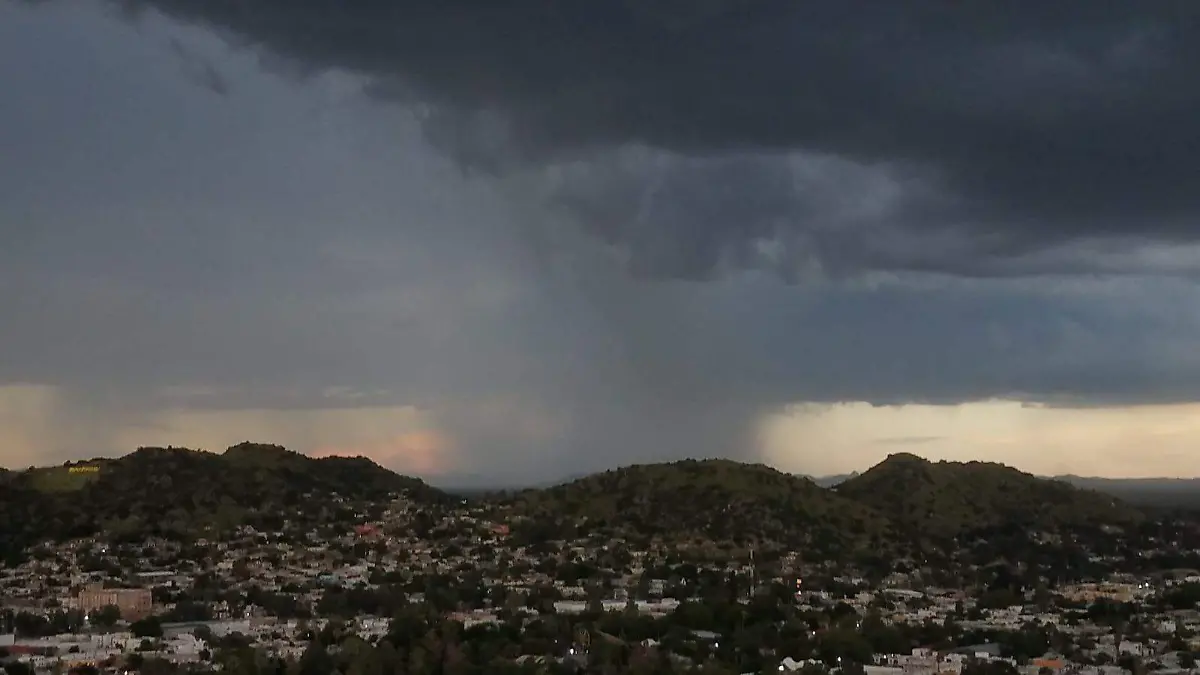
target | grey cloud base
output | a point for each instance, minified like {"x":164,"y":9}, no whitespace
{"x":651,"y":222}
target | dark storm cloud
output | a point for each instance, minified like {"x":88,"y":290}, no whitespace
{"x":298,"y":246}
{"x":1007,"y":132}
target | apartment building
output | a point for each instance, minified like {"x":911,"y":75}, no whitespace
{"x":134,"y":603}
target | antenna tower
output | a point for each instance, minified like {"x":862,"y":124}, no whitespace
{"x":753,"y":579}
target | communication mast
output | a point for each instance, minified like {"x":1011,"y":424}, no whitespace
{"x":753,"y":579}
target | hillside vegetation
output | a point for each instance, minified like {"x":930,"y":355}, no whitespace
{"x":892,"y":509}
{"x":176,"y":491}
{"x":952,"y":498}
{"x":715,"y":499}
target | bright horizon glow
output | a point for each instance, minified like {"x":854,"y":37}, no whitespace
{"x":1148,"y":441}
{"x":1126,"y":442}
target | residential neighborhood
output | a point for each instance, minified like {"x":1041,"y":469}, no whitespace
{"x":107,"y":604}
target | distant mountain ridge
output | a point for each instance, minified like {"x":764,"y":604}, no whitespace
{"x":1140,"y":489}
{"x":1154,"y":492}
{"x":1180,"y":493}
{"x":475,"y":485}
{"x":831,"y":480}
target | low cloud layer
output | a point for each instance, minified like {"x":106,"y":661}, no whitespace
{"x":523,"y":241}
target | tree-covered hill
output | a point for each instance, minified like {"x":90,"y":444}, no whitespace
{"x":892,"y":508}
{"x":176,"y":491}
{"x":951,"y":498}
{"x":718,"y":499}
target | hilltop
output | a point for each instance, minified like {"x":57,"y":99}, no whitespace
{"x":175,"y":491}
{"x":717,"y":499}
{"x":951,"y":498}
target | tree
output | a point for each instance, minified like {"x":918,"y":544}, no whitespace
{"x":364,"y":659}
{"x":205,"y":634}
{"x":843,"y":643}
{"x":106,"y":617}
{"x":643,"y":662}
{"x":149,"y":627}
{"x":157,"y":666}
{"x":713,"y":668}
{"x":1132,"y":664}
{"x":316,"y":660}
{"x":17,"y":668}
{"x":853,"y":668}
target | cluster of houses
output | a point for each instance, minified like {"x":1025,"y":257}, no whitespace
{"x":87,"y":576}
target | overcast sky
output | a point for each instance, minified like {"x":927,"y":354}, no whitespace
{"x":510,"y":241}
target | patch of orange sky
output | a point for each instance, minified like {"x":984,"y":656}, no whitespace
{"x":424,"y":452}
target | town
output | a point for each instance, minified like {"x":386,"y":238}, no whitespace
{"x":310,"y":598}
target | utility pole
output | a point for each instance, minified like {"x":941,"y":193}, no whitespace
{"x":752,"y":575}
